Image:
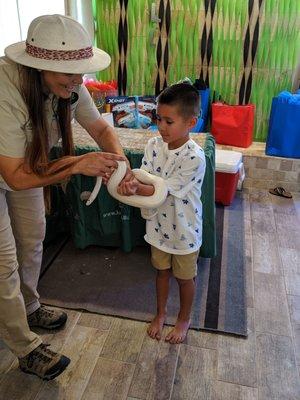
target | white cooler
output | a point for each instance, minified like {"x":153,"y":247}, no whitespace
{"x":229,"y":175}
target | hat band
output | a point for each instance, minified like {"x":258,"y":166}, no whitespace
{"x":59,"y":55}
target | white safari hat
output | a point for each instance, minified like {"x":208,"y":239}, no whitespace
{"x":58,"y":43}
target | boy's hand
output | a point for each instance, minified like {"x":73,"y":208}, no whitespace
{"x":128,"y":187}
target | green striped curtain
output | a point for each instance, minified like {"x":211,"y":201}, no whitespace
{"x":244,"y":50}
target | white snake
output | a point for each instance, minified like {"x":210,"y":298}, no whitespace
{"x":147,"y":202}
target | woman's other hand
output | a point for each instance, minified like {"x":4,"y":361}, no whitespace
{"x":97,"y":164}
{"x":129,"y":175}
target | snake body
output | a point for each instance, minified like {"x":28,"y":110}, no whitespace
{"x":148,"y":202}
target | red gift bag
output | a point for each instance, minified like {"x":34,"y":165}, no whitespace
{"x":232,"y":124}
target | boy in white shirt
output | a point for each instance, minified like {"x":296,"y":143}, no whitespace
{"x":175,"y":230}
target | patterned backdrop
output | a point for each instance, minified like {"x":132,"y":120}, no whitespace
{"x":244,"y":50}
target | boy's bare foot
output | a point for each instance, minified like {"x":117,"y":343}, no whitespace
{"x":179,"y":332}
{"x":156,"y":327}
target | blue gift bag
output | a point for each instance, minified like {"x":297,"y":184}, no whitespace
{"x":199,"y":127}
{"x":284,"y":126}
{"x":202,"y":120}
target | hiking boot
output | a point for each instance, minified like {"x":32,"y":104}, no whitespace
{"x":44,"y":363}
{"x":47,"y":318}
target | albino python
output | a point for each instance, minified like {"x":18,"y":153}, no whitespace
{"x":146,"y":202}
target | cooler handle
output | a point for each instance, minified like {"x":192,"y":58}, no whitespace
{"x":241,"y":176}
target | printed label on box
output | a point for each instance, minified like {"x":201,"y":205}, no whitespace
{"x":124,"y":111}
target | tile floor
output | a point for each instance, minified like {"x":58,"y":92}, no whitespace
{"x":114,"y":359}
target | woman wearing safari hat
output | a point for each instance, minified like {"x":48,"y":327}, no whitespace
{"x":40,"y":92}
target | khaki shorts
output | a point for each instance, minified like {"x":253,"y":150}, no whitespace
{"x":184,"y":266}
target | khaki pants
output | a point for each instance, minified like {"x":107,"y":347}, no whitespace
{"x":184,"y":266}
{"x":22,"y":230}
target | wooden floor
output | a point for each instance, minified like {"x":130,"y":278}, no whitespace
{"x":114,"y":359}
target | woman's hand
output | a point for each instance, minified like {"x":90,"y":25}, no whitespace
{"x":129,"y":175}
{"x":97,"y":164}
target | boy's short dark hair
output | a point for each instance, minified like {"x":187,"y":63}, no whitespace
{"x":183,"y":95}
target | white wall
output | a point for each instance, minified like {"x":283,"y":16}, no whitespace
{"x":9,"y":24}
{"x":16,"y":15}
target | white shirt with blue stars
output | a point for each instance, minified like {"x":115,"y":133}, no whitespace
{"x":176,"y":228}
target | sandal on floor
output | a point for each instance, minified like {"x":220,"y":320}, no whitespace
{"x":280,"y":191}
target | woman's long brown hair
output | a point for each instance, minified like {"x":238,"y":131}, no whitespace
{"x":37,"y":151}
